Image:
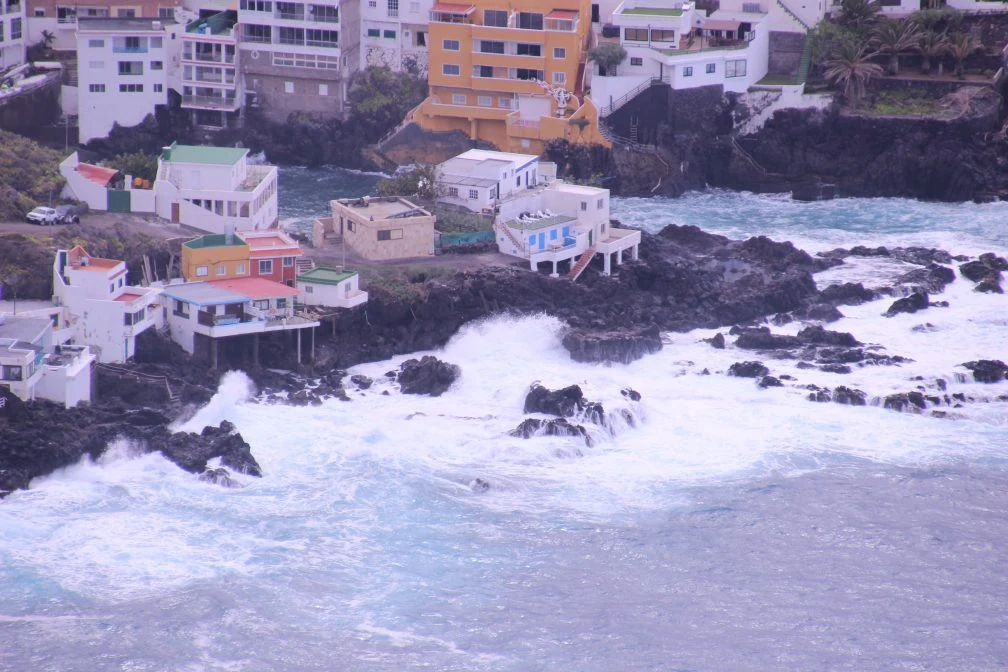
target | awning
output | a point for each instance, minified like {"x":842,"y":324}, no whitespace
{"x":452,"y":8}
{"x":721,"y":24}
{"x":563,"y":14}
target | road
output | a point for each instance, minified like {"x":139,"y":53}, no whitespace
{"x":149,"y":224}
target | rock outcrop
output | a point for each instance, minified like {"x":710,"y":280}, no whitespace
{"x":428,"y":375}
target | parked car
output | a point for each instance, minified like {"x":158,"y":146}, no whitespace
{"x":68,"y":214}
{"x":43,"y":216}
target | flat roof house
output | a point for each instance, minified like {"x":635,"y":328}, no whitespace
{"x":479,"y":178}
{"x":330,"y":287}
{"x":106,"y":313}
{"x":381,"y":229}
{"x":200,"y":315}
{"x":215,"y":189}
{"x":31,"y":367}
{"x":214,"y":256}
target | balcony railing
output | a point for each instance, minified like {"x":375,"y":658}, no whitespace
{"x":292,"y":16}
{"x":323,"y":18}
{"x":212,"y":57}
{"x":129,"y":50}
{"x":67,"y":19}
{"x":322,"y":43}
{"x":211,"y":102}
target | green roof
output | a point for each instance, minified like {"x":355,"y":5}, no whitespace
{"x":220,"y":156}
{"x":653,"y":11}
{"x":213,"y":240}
{"x":324,"y":275}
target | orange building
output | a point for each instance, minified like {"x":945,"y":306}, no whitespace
{"x":510,"y":72}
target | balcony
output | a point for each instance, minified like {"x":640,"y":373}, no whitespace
{"x":322,"y":43}
{"x":229,"y":103}
{"x":69,"y":19}
{"x":14,"y":9}
{"x":290,"y":16}
{"x":227,"y":79}
{"x":129,"y":50}
{"x":212,"y":57}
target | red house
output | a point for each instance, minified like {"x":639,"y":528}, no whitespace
{"x":272,"y":255}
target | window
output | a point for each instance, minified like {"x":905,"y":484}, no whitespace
{"x":390,"y":234}
{"x":526,"y":74}
{"x":473,"y":195}
{"x":308,"y":289}
{"x":459,"y":99}
{"x":288,"y":262}
{"x":288,"y":87}
{"x":504,"y":102}
{"x":752,"y":8}
{"x":349,"y":225}
{"x":166,"y":12}
{"x":281,"y":302}
{"x":636,"y":61}
{"x":453,"y":192}
{"x":372,"y":4}
{"x":491,"y":47}
{"x":524,"y":49}
{"x":687,"y":71}
{"x":261,"y":304}
{"x":325,"y":13}
{"x":662,"y":35}
{"x":131,"y":88}
{"x":240,"y":268}
{"x":15,"y":28}
{"x":265,"y":267}
{"x":181,"y":308}
{"x":157,"y":65}
{"x":483,"y":71}
{"x":484,"y":101}
{"x":373,"y":32}
{"x":126,"y":13}
{"x":221,"y":269}
{"x":735,"y":68}
{"x":393,"y":8}
{"x":584,"y":206}
{"x":96,"y":88}
{"x":202,"y":271}
{"x":159,"y":88}
{"x":530,"y":20}
{"x":11,"y":373}
{"x":96,"y":44}
{"x":290,"y":35}
{"x":450,"y":45}
{"x":260,"y":34}
{"x":39,"y":12}
{"x":132,"y":68}
{"x":635,"y":34}
{"x":599,"y":203}
{"x":257,"y":5}
{"x":450,"y":69}
{"x":132,"y":42}
{"x":711,"y":68}
{"x":156,"y":42}
{"x":323,"y":89}
{"x":495,"y":17}
{"x":559,"y":52}
{"x":559,"y":77}
{"x":389,"y":34}
{"x":421,"y":38}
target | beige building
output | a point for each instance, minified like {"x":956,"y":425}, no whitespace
{"x":384,"y":228}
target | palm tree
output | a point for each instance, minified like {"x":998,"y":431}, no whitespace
{"x":930,"y":45}
{"x":960,"y":47}
{"x":893,"y":38}
{"x":859,"y":14}
{"x":851,"y":69}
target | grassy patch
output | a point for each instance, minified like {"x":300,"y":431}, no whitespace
{"x":776,"y":80}
{"x":406,"y":283}
{"x":653,"y":11}
{"x":901,"y":103}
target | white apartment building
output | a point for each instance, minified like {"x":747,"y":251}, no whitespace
{"x":106,"y":313}
{"x":393,"y":33}
{"x":211,"y":84}
{"x":123,"y":70}
{"x":215,"y":189}
{"x":32,"y":367}
{"x":297,"y":56}
{"x":479,"y":179}
{"x":59,"y":17}
{"x":12,"y":33}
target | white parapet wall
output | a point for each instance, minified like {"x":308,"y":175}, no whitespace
{"x":764,"y":102}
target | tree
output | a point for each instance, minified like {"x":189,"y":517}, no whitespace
{"x":851,"y":69}
{"x":380,"y":98}
{"x":930,"y":45}
{"x":961,"y":47}
{"x":608,"y":55}
{"x":859,"y":15}
{"x":893,"y":38}
{"x":137,"y":164}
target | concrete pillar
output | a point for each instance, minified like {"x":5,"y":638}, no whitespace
{"x":473,"y":125}
{"x":213,"y":353}
{"x":607,"y":263}
{"x":297,"y":333}
{"x":532,"y":265}
{"x":554,"y":274}
{"x":313,"y":344}
{"x":255,"y":349}
{"x":636,"y":252}
{"x":619,"y":257}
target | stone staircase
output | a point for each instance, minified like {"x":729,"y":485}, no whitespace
{"x":787,"y":10}
{"x":511,"y":236}
{"x":304,"y":264}
{"x":804,"y":63}
{"x":578,"y":268}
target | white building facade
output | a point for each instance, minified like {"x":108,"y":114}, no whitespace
{"x":393,"y":34}
{"x":211,"y":83}
{"x":330,"y":287}
{"x":215,"y":189}
{"x":13,"y":32}
{"x":32,"y":367}
{"x":123,"y":70}
{"x":479,"y":179}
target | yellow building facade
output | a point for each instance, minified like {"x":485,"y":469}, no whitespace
{"x":510,"y":73}
{"x":214,"y":257}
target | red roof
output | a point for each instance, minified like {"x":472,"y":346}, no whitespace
{"x":255,"y":288}
{"x":562,"y":14}
{"x":128,"y":297}
{"x":78,"y":254}
{"x":96,"y":174}
{"x":451,"y":8}
{"x":721,"y":24}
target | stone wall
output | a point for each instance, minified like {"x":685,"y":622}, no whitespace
{"x":785,"y":53}
{"x":269,"y":83}
{"x":414,"y":145}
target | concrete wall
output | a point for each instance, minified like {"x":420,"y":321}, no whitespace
{"x":270,"y":84}
{"x":344,"y":295}
{"x":763,"y":104}
{"x":785,"y":52}
{"x":84,"y":190}
{"x":417,"y":238}
{"x":68,"y":385}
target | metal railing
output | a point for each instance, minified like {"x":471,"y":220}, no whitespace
{"x":614,"y":105}
{"x":212,"y":102}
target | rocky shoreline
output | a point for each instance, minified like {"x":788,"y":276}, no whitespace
{"x":685,"y":279}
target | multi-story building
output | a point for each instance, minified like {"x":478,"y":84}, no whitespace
{"x":272,"y":255}
{"x":211,"y":85}
{"x":12,"y":33}
{"x":479,"y":179}
{"x":380,"y":229}
{"x":106,"y":313}
{"x":33,"y":367}
{"x":297,"y":56}
{"x":215,"y":189}
{"x":59,"y":17}
{"x":122,"y":71}
{"x":510,"y":74}
{"x":394,"y":34}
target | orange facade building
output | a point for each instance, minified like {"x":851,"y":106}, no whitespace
{"x":510,"y":72}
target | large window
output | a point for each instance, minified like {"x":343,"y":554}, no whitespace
{"x":450,"y":69}
{"x":450,"y":45}
{"x":635,"y":34}
{"x":259,"y":34}
{"x":636,"y":61}
{"x":390,"y":234}
{"x":325,"y":13}
{"x":131,"y":88}
{"x":265,"y":267}
{"x":526,"y":74}
{"x":524,"y":49}
{"x":11,"y":373}
{"x":256,"y":5}
{"x":289,"y":35}
{"x":15,"y":29}
{"x":322,"y":38}
{"x":662,"y":35}
{"x":530,"y":20}
{"x":687,"y":71}
{"x":393,"y":8}
{"x":559,"y":52}
{"x":131,"y":68}
{"x":491,"y":47}
{"x":735,"y":68}
{"x":495,"y":17}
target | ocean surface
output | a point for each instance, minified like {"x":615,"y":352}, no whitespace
{"x":724,"y":528}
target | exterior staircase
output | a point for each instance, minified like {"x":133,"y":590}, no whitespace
{"x":804,"y":63}
{"x":578,"y":268}
{"x":304,"y":264}
{"x":511,"y":236}
{"x":787,"y":10}
{"x":634,"y":123}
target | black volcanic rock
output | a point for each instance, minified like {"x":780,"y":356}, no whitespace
{"x":565,"y":403}
{"x":816,"y":335}
{"x":848,"y":294}
{"x":428,"y":375}
{"x":931,"y":279}
{"x":717,"y":341}
{"x":760,"y":338}
{"x":990,"y":284}
{"x":988,"y":370}
{"x":748,"y":369}
{"x":849,"y":396}
{"x":905,"y":401}
{"x":361,"y":381}
{"x":974,"y":270}
{"x":531,"y":427}
{"x":619,"y":346}
{"x":909,"y":304}
{"x":770,"y":381}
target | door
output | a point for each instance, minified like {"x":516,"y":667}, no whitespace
{"x":118,"y":200}
{"x":542,"y":241}
{"x":175,"y":213}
